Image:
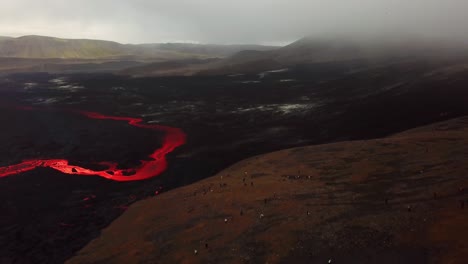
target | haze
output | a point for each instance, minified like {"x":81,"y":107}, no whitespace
{"x":241,"y":21}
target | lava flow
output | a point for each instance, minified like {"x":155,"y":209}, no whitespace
{"x":173,"y":138}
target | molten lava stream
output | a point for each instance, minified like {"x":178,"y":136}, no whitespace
{"x":173,"y":138}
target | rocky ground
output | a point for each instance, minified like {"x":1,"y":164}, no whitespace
{"x":48,"y":216}
{"x":400,"y":199}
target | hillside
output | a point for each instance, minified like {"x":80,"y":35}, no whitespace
{"x":211,"y":50}
{"x":55,"y":55}
{"x":49,"y":47}
{"x":399,"y":199}
{"x":40,"y":47}
{"x":310,"y":50}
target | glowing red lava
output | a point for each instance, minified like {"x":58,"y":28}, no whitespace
{"x":173,"y":138}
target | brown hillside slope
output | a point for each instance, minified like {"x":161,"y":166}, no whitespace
{"x":399,"y":199}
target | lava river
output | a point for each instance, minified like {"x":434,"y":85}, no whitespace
{"x":155,"y":165}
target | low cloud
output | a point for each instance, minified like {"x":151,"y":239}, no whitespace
{"x":241,"y":21}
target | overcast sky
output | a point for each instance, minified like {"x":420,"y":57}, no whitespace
{"x":231,"y":21}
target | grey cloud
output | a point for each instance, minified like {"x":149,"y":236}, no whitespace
{"x":241,"y":21}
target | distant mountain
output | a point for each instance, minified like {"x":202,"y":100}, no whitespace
{"x":165,"y":59}
{"x":208,"y":49}
{"x":318,"y":50}
{"x":312,"y":50}
{"x":40,"y":47}
{"x":303,"y":51}
{"x":49,"y":54}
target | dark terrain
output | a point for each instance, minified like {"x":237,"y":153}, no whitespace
{"x":398,"y":199}
{"x":48,"y":216}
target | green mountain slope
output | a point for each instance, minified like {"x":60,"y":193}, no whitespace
{"x":40,"y":47}
{"x":49,"y":47}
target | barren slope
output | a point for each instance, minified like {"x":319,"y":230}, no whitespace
{"x":399,"y":199}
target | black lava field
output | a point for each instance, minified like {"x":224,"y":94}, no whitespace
{"x":77,"y":149}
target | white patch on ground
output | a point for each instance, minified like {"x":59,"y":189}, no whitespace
{"x":117,"y":88}
{"x":249,"y":109}
{"x":151,"y":114}
{"x":236,"y":75}
{"x":290,"y":108}
{"x":283,"y":109}
{"x":29,"y":85}
{"x":288,"y":80}
{"x":278,"y":71}
{"x":189,"y":108}
{"x":154,"y":121}
{"x":69,"y":87}
{"x":266,"y":73}
{"x":249,"y":82}
{"x":58,"y":81}
{"x":42,"y":101}
{"x":62,"y":84}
